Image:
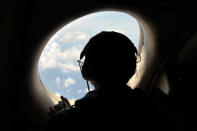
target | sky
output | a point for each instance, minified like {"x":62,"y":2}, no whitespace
{"x":57,"y":66}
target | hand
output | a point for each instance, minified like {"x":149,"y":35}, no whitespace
{"x":65,"y":100}
{"x":61,"y":104}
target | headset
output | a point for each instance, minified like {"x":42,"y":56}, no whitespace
{"x":96,"y":44}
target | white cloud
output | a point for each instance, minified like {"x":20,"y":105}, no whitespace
{"x":69,"y":81}
{"x":79,"y":91}
{"x":57,"y":80}
{"x":67,"y":67}
{"x":54,"y":57}
{"x":58,"y":94}
{"x":72,"y":101}
{"x":73,"y":36}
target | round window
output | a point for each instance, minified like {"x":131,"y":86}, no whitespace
{"x":58,"y":67}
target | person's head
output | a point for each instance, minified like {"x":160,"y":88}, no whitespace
{"x":110,"y":57}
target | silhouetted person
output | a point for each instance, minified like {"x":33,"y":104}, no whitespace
{"x":110,"y":61}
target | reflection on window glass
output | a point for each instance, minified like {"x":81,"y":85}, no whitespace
{"x":57,"y":66}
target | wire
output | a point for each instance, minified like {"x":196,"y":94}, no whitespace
{"x":88,"y":86}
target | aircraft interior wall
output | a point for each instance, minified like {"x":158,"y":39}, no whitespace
{"x":166,"y":30}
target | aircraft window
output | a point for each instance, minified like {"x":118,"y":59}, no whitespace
{"x":57,"y":66}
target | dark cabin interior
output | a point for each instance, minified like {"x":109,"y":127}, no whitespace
{"x":167,"y":45}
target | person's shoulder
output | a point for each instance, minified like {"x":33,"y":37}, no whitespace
{"x":139,"y":92}
{"x":89,"y":99}
{"x":141,"y":97}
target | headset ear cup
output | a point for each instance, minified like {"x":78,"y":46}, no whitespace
{"x":86,"y":73}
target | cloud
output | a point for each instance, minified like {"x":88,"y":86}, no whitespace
{"x":73,"y":36}
{"x":69,"y":81}
{"x":72,"y":101}
{"x":79,"y":91}
{"x":54,"y":57}
{"x":57,"y":80}
{"x":69,"y":67}
{"x":58,"y":94}
{"x":67,"y":90}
